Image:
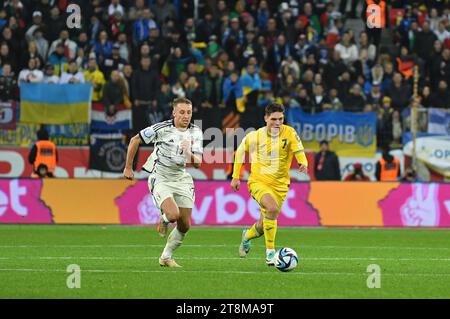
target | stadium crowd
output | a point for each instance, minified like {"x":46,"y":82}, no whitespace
{"x":232,"y":57}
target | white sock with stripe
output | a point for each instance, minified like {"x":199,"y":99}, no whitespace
{"x":174,"y":241}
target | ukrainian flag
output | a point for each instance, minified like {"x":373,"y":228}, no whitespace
{"x":55,"y":103}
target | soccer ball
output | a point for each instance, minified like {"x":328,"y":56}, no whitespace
{"x":286,"y":259}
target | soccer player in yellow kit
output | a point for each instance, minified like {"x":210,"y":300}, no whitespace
{"x":271,"y":149}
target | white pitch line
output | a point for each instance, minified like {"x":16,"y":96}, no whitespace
{"x":179,"y":271}
{"x":211,"y":258}
{"x":220,"y":246}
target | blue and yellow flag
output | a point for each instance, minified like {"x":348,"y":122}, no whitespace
{"x":349,"y":134}
{"x":55,"y":103}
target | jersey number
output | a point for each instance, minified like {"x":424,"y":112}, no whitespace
{"x":284,"y":142}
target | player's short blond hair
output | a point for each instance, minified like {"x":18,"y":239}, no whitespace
{"x":181,"y":100}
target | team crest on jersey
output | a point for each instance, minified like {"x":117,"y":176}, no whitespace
{"x":148,"y":132}
{"x":366,"y":135}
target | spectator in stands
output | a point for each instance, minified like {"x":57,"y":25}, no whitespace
{"x":252,"y":85}
{"x":335,"y":102}
{"x":124,"y":50}
{"x":425,"y":97}
{"x":193,"y":92}
{"x":37,"y":24}
{"x":355,"y":100}
{"x":43,"y":155}
{"x":32,"y":74}
{"x":344,"y":86}
{"x":49,"y":74}
{"x":164,"y":102}
{"x":287,"y":100}
{"x":212,"y":99}
{"x":357,"y":174}
{"x":58,"y":59}
{"x":41,"y":42}
{"x":135,"y":10}
{"x":115,"y":7}
{"x":440,"y":69}
{"x":14,"y":45}
{"x":370,"y":47}
{"x":441,"y":33}
{"x":127,"y":75}
{"x":163,"y":10}
{"x":326,"y":164}
{"x":343,"y":6}
{"x":70,"y":47}
{"x":6,"y":56}
{"x":399,"y":92}
{"x":113,"y":94}
{"x":103,"y":47}
{"x":348,"y":51}
{"x":334,"y":69}
{"x":54,"y":25}
{"x":233,"y":96}
{"x":441,"y":98}
{"x":278,"y":53}
{"x":318,"y":100}
{"x":8,"y":84}
{"x":142,"y":26}
{"x":388,"y":73}
{"x":115,"y":62}
{"x":387,"y":168}
{"x":31,"y":53}
{"x":384,"y":122}
{"x":375,"y":96}
{"x":73,"y":74}
{"x":95,"y":76}
{"x":424,"y":42}
{"x":145,"y":87}
{"x":397,"y":131}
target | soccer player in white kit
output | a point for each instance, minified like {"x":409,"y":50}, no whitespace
{"x":177,"y":142}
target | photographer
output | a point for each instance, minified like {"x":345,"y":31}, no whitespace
{"x":357,"y":175}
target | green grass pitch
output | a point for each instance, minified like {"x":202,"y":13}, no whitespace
{"x":122,"y":262}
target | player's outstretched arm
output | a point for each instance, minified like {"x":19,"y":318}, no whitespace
{"x":131,"y":153}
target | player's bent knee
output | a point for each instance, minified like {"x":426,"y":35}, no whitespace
{"x":272,"y":212}
{"x":173,"y":215}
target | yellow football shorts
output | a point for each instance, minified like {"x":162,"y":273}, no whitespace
{"x":258,"y":189}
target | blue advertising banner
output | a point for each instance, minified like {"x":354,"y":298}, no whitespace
{"x":349,"y":134}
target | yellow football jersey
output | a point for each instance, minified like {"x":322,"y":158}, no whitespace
{"x":270,"y":156}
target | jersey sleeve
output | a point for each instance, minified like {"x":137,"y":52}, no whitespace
{"x":297,"y":148}
{"x":148,"y":134}
{"x":296,"y":143}
{"x":197,"y":142}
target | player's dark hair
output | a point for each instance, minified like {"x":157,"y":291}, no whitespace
{"x":274,"y":107}
{"x":181,"y":100}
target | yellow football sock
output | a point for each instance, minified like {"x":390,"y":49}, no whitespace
{"x":254,"y":232}
{"x":270,"y":230}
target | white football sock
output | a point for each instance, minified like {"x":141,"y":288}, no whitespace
{"x":174,"y":241}
{"x":166,"y":220}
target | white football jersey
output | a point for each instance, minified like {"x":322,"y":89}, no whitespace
{"x":167,"y":159}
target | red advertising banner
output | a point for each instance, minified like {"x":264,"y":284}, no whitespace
{"x":74,"y":163}
{"x":8,"y":115}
